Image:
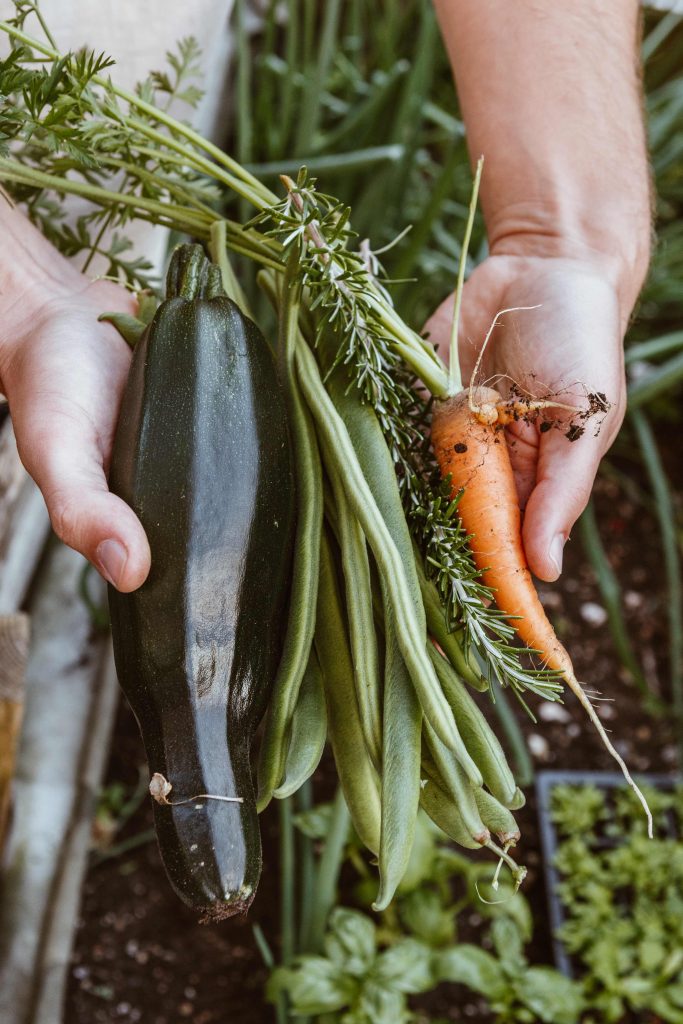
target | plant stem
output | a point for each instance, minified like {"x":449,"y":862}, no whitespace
{"x":524,"y":769}
{"x":178,"y":218}
{"x":217,"y":249}
{"x":309,"y":114}
{"x":184,"y":220}
{"x":672,"y":564}
{"x":331,"y":164}
{"x":454,"y":374}
{"x":304,"y":800}
{"x":611,"y":594}
{"x":269,"y":961}
{"x":262,"y":196}
{"x":328,"y":872}
{"x":287,"y":880}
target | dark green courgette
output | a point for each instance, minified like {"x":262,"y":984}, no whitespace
{"x":202,"y":456}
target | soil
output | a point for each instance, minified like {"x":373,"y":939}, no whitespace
{"x":140,"y":955}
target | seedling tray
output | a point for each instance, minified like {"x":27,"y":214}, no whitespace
{"x":545,"y":783}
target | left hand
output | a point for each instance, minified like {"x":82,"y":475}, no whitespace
{"x":570,"y":346}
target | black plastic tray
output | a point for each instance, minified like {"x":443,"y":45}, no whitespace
{"x":544,"y":784}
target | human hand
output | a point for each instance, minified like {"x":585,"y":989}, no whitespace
{"x":569,"y":346}
{"x":63,"y":374}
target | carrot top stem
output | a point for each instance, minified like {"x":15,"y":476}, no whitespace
{"x":454,"y":374}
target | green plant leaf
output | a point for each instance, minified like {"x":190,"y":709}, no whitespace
{"x":315,"y":823}
{"x":508,"y":944}
{"x":424,"y":914}
{"x":469,"y":965}
{"x":378,"y":1005}
{"x":406,"y":966}
{"x":554,"y":998}
{"x":666,"y":1007}
{"x":351,"y":941}
{"x":313,"y":985}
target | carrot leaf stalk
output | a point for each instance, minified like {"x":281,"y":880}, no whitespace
{"x":454,"y":374}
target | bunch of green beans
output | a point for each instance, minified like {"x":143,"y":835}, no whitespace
{"x":361,"y":666}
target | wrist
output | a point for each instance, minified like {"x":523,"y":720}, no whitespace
{"x":616,"y":241}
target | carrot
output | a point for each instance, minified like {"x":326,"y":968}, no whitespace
{"x":470,"y":448}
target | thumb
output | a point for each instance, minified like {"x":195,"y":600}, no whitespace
{"x":67,"y":465}
{"x":564,"y":480}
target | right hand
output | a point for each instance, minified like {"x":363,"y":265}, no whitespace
{"x":569,"y":345}
{"x":63,"y":374}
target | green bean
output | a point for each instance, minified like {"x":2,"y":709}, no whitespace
{"x":518,"y":801}
{"x":358,"y":586}
{"x":377,"y":466}
{"x":479,"y":738}
{"x":400,"y":767}
{"x":445,"y":813}
{"x":356,"y":773}
{"x":443,"y":768}
{"x":496,"y":817}
{"x":301,"y":621}
{"x":449,"y":641}
{"x":411,"y":625}
{"x":308,"y":731}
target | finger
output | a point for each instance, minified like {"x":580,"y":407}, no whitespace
{"x":438,"y":327}
{"x":66,"y":463}
{"x":522,"y":440}
{"x":565,"y":475}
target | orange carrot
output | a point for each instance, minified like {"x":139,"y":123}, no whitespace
{"x":475,"y":455}
{"x":470,"y":447}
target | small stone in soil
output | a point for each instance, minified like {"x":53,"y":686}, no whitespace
{"x":594,"y":614}
{"x":538,"y":745}
{"x":633,"y":599}
{"x":606,"y":711}
{"x":552,"y":711}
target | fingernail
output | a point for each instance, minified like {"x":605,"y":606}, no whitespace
{"x":111,"y":558}
{"x":556,"y":550}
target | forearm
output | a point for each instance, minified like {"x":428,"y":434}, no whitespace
{"x":550,"y":93}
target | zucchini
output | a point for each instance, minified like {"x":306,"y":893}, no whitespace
{"x":202,"y":456}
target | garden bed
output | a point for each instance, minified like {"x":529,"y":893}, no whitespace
{"x":141,"y":956}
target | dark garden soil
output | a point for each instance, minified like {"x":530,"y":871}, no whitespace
{"x":140,"y":955}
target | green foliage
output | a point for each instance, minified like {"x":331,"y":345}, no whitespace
{"x":359,"y":982}
{"x":366,"y":969}
{"x":515,"y":991}
{"x":623,"y":897}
